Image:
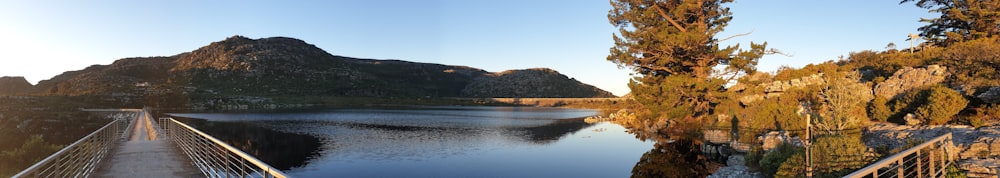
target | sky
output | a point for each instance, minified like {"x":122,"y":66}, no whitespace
{"x":41,"y":39}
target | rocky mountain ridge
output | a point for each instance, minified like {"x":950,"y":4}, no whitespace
{"x":14,"y":85}
{"x":281,"y":66}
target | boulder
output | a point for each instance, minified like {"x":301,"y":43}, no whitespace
{"x":911,"y":119}
{"x":991,"y":95}
{"x":750,"y":99}
{"x":909,"y":78}
{"x":772,"y":139}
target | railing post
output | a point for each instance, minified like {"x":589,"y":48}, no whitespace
{"x":920,"y":169}
{"x":899,"y":168}
{"x":930,"y":162}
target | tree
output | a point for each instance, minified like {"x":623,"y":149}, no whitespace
{"x":960,"y":20}
{"x":671,"y":46}
{"x":846,"y":99}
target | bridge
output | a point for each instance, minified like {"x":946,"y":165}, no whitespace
{"x":928,"y":159}
{"x":137,"y":146}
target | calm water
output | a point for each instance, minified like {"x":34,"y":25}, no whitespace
{"x":433,"y":142}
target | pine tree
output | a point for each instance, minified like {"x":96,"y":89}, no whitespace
{"x":671,"y":46}
{"x":960,"y":20}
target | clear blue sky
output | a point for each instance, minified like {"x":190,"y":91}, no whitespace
{"x":41,"y":39}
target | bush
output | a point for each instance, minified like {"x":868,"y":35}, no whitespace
{"x":908,"y":103}
{"x":793,"y":166}
{"x":974,"y":63}
{"x":773,"y":160}
{"x":942,"y":104}
{"x":879,"y":110}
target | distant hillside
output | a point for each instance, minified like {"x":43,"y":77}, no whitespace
{"x":531,"y":83}
{"x":280,"y":66}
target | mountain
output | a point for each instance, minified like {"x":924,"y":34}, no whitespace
{"x":281,"y":66}
{"x":14,"y":85}
{"x":531,"y":83}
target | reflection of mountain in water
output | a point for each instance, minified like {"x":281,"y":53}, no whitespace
{"x":279,"y":149}
{"x":373,"y":134}
{"x":553,"y":131}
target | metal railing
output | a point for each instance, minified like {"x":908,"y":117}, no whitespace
{"x":81,"y":158}
{"x":151,"y":128}
{"x":929,"y":159}
{"x":213,"y":157}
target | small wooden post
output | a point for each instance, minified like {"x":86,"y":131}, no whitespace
{"x":809,"y":167}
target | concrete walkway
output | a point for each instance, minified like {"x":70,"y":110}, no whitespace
{"x":145,"y":156}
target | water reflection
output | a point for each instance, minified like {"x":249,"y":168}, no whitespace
{"x":449,"y":142}
{"x":681,"y":158}
{"x":279,"y":149}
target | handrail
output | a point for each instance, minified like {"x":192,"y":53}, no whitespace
{"x":898,"y":163}
{"x":150,"y":129}
{"x":80,"y":158}
{"x":213,"y":157}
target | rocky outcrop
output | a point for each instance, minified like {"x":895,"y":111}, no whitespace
{"x":980,"y":167}
{"x":14,"y":85}
{"x":782,"y":86}
{"x":991,"y":95}
{"x":531,"y":83}
{"x":908,"y":79}
{"x":775,"y":88}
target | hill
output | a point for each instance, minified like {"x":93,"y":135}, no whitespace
{"x":281,"y":66}
{"x":14,"y":85}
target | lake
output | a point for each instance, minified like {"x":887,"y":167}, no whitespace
{"x":431,"y":142}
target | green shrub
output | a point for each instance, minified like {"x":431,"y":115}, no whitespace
{"x":942,"y":104}
{"x":908,"y":103}
{"x":954,"y":172}
{"x":794,"y":166}
{"x":771,"y":161}
{"x":976,"y":121}
{"x":993,"y":111}
{"x":879,"y":110}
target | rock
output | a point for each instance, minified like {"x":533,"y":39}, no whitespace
{"x":911,"y":119}
{"x":749,"y":99}
{"x":772,"y":139}
{"x":980,"y":167}
{"x":909,"y":78}
{"x":975,"y":150}
{"x":736,"y":160}
{"x":991,"y":95}
{"x":735,"y":169}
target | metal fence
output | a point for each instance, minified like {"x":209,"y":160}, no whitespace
{"x":213,"y":157}
{"x":81,"y":158}
{"x":929,"y":159}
